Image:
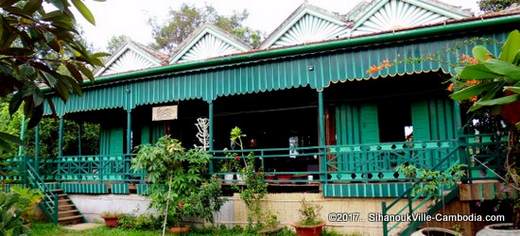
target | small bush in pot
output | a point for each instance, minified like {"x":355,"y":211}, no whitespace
{"x":111,"y":219}
{"x":310,"y":223}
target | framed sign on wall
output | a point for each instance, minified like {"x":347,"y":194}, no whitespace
{"x":164,"y":113}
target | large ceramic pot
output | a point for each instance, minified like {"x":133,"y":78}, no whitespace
{"x":434,"y":231}
{"x":313,"y":230}
{"x":510,"y":112}
{"x":111,"y":221}
{"x":504,"y":229}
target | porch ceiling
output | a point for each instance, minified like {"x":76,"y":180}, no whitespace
{"x":316,"y":69}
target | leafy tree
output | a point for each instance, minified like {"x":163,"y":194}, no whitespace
{"x":115,"y":42}
{"x":493,"y":82}
{"x":39,"y":48}
{"x":182,"y":22}
{"x":495,"y":5}
{"x":180,"y":185}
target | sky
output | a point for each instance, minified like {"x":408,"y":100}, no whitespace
{"x":130,"y":17}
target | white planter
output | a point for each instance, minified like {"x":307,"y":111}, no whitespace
{"x":435,"y":231}
{"x":498,"y":230}
{"x":228,"y":177}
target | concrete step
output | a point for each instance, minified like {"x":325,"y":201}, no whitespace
{"x":67,"y":213}
{"x":70,"y":220}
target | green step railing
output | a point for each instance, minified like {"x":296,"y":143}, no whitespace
{"x":49,"y":203}
{"x":489,"y":149}
{"x":414,"y":202}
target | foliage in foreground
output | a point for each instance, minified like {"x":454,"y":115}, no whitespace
{"x":181,"y":187}
{"x":11,"y":215}
{"x":40,"y":46}
{"x":493,"y":82}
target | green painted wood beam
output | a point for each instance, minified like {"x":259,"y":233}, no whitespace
{"x":21,"y":147}
{"x":60,"y":137}
{"x":80,"y":131}
{"x":210,"y":131}
{"x":321,"y":136}
{"x":128,"y":131}
{"x":37,"y":148}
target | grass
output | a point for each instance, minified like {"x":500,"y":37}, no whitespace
{"x":40,"y":229}
{"x":46,"y":229}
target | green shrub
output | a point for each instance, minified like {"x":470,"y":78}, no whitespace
{"x":141,"y":222}
{"x":11,"y":222}
{"x":27,"y":201}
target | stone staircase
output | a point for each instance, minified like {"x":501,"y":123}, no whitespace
{"x":67,"y":212}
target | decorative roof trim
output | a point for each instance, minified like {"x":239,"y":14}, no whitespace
{"x":295,"y":16}
{"x":132,"y":46}
{"x":194,"y":38}
{"x":372,"y":7}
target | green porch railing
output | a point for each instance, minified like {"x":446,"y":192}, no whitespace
{"x":91,"y":168}
{"x":293,"y":165}
{"x":377,"y":162}
{"x":414,"y":203}
{"x":345,"y":163}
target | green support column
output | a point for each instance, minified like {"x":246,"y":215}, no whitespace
{"x":60,"y":137}
{"x":129,"y":132}
{"x":210,"y":135}
{"x":37,"y":148}
{"x":321,"y":138}
{"x":462,"y":155}
{"x":80,"y":131}
{"x":458,"y":117}
{"x":21,"y":150}
{"x":21,"y":147}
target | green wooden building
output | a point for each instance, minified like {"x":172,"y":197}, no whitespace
{"x":316,"y":115}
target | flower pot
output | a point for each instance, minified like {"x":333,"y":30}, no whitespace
{"x":510,"y":112}
{"x":312,"y":230}
{"x":180,"y":229}
{"x":504,"y":229}
{"x":434,"y":231}
{"x":111,"y":222}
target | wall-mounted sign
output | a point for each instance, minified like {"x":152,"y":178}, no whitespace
{"x":164,"y":113}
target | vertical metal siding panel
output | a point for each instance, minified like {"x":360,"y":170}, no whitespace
{"x":441,"y":114}
{"x":300,"y":67}
{"x":341,"y":67}
{"x":283,"y":75}
{"x":347,"y":66}
{"x":354,"y":64}
{"x":448,"y":108}
{"x":433,"y":120}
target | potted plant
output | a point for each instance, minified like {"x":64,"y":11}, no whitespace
{"x":111,"y":219}
{"x":310,"y":223}
{"x":491,"y":82}
{"x":180,"y":187}
{"x":226,"y":168}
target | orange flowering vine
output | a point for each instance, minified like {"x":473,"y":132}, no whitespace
{"x":376,"y":68}
{"x":466,"y":59}
{"x":450,"y":87}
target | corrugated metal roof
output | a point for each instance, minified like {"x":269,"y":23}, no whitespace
{"x":314,"y":70}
